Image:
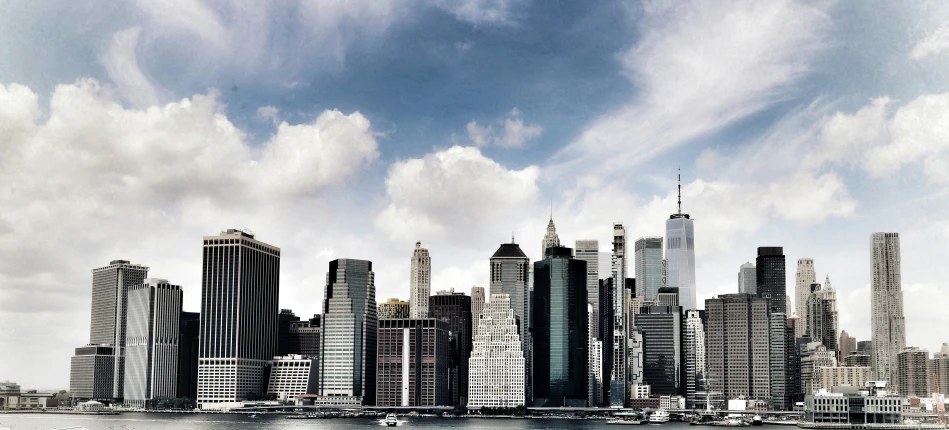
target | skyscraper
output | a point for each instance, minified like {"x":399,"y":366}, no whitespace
{"x":680,"y":251}
{"x":421,"y":280}
{"x":110,"y":285}
{"x":393,"y":308}
{"x":306,"y":338}
{"x":803,"y":278}
{"x":770,"y":277}
{"x":913,"y":367}
{"x":412,"y":365}
{"x":589,"y":251}
{"x":240,"y":286}
{"x":509,"y":275}
{"x":455,"y":309}
{"x":737,"y":344}
{"x":153,"y":327}
{"x":886,"y":306}
{"x":348,"y":365}
{"x":497,"y":372}
{"x":550,"y":238}
{"x":747,"y":283}
{"x":661,"y":328}
{"x":618,"y":374}
{"x":648,"y":267}
{"x":189,"y":346}
{"x":822,"y":321}
{"x":477,"y":305}
{"x":846,"y":345}
{"x":777,"y":350}
{"x":940,"y":370}
{"x":559,"y":313}
{"x":285,"y":319}
{"x":693,"y":353}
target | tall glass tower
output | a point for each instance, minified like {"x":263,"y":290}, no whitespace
{"x":648,"y":267}
{"x":680,"y":252}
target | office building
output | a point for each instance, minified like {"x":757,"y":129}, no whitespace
{"x":693,"y":357}
{"x":793,"y":344}
{"x":914,"y":377}
{"x":667,"y":296}
{"x":189,"y":345}
{"x":455,"y":309}
{"x":648,"y":255}
{"x":496,"y":377}
{"x":661,"y":328}
{"x":306,"y":337}
{"x":822,"y":316}
{"x":412,"y":363}
{"x":91,"y":374}
{"x":737,"y":346}
{"x":837,"y":376}
{"x":348,"y":363}
{"x":780,"y":398}
{"x":550,"y":238}
{"x":680,"y":253}
{"x":619,"y":381}
{"x":421,"y":282}
{"x":110,"y":285}
{"x":285,"y":319}
{"x":393,"y":308}
{"x":292,"y":376}
{"x":240,"y":286}
{"x":477,"y":305}
{"x":151,"y":344}
{"x":888,"y":326}
{"x":605,"y":326}
{"x":746,"y":279}
{"x":510,"y":275}
{"x":940,"y":370}
{"x":589,"y":251}
{"x":770,"y":278}
{"x":594,"y":360}
{"x":559,"y":313}
{"x":804,"y":277}
{"x":846,"y":345}
{"x":858,"y":360}
{"x":636,"y":364}
{"x":814,"y":356}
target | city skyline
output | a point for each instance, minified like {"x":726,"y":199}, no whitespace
{"x":347,"y":131}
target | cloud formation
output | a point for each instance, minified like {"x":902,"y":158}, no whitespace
{"x":933,"y":44}
{"x":512,"y":133}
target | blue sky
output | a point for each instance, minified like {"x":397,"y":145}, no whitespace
{"x":352,"y":129}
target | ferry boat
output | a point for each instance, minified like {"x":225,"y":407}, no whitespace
{"x":391,"y":420}
{"x":756,"y":420}
{"x":659,"y":417}
{"x":625,"y":421}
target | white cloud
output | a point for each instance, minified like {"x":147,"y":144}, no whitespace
{"x":95,"y":181}
{"x":513,"y":132}
{"x":699,"y":67}
{"x":268,"y":113}
{"x":121,"y":63}
{"x":484,"y":12}
{"x":933,"y":44}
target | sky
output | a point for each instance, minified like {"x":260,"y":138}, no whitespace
{"x":352,"y":129}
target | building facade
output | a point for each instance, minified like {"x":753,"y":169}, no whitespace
{"x":550,"y":237}
{"x":912,"y":364}
{"x":888,"y":325}
{"x":306,"y":337}
{"x":822,"y":320}
{"x":348,"y":362}
{"x":412,"y":363}
{"x":189,"y":324}
{"x":559,"y":326}
{"x":747,"y":283}
{"x":619,"y":380}
{"x":680,"y":253}
{"x":770,"y":277}
{"x":648,"y":258}
{"x":421,"y":282}
{"x":510,"y":269}
{"x":477,"y":305}
{"x":693,"y":357}
{"x":737,"y":346}
{"x":814,"y":357}
{"x":661,"y":328}
{"x":455,"y":309}
{"x":240,"y":286}
{"x":394,"y":308}
{"x":292,"y":376}
{"x":940,"y":370}
{"x":846,"y":345}
{"x":589,"y":251}
{"x":777,"y":349}
{"x":837,"y":376}
{"x":804,"y":277}
{"x":152,"y":338}
{"x":497,"y":372}
{"x":91,"y":374}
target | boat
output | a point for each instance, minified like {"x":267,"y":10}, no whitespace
{"x":391,"y":420}
{"x":756,"y":420}
{"x":659,"y":417}
{"x":625,"y":422}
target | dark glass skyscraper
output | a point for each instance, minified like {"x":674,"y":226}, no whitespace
{"x":661,"y":327}
{"x":348,"y":365}
{"x":285,"y":320}
{"x":188,"y":354}
{"x":770,"y":277}
{"x":240,"y":285}
{"x":455,"y":308}
{"x":559,"y":325}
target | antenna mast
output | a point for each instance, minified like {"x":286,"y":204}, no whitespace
{"x":680,"y":191}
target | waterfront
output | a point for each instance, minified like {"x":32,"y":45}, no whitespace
{"x":146,"y":421}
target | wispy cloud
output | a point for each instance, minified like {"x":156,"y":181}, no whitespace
{"x":511,"y":133}
{"x":933,"y":44}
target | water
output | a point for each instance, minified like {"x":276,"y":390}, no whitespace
{"x":142,"y":421}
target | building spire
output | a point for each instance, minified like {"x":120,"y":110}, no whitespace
{"x":551,"y":210}
{"x":680,"y":190}
{"x":512,"y":237}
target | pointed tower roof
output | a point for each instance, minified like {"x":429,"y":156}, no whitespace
{"x":509,"y":250}
{"x":827,"y":285}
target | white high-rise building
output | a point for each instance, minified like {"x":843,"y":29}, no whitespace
{"x":292,"y":376}
{"x":619,"y":380}
{"x":803,"y":278}
{"x":649,"y":267}
{"x":594,"y":361}
{"x":693,"y":349}
{"x":747,"y":281}
{"x":477,"y":305}
{"x":680,"y":251}
{"x":421,"y":282}
{"x":589,"y":251}
{"x":151,"y":342}
{"x":550,"y":238}
{"x":886,"y":310}
{"x":496,"y":376}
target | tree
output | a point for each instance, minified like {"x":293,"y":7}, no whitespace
{"x":62,"y":396}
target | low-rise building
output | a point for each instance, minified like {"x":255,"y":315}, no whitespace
{"x":292,"y":376}
{"x":9,"y":395}
{"x":849,"y":406}
{"x":836,"y":376}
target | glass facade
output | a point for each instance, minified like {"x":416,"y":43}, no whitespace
{"x":648,"y":267}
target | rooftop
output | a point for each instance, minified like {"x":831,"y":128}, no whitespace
{"x":509,"y":250}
